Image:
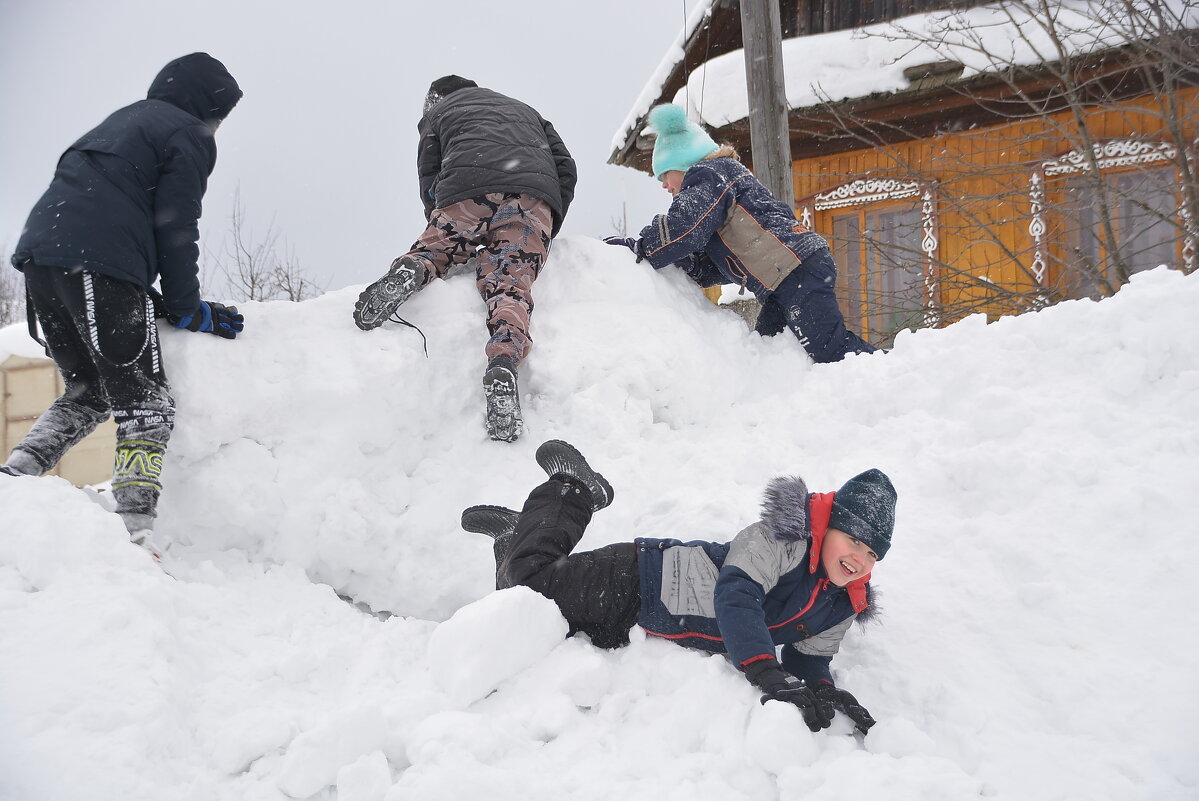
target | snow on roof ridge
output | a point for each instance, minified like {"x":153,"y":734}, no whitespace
{"x":653,"y":87}
{"x":871,"y":59}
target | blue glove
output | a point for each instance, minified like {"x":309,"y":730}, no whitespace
{"x":632,"y":243}
{"x":213,"y":318}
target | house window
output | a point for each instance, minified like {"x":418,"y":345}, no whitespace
{"x":1139,"y":188}
{"x":882,"y":237}
{"x":1141,"y":205}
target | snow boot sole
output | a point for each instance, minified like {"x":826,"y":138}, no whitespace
{"x":380,"y":300}
{"x":504,"y":420}
{"x":561,"y":458}
{"x":496,"y":522}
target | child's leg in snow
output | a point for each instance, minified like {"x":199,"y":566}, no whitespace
{"x":83,"y":404}
{"x":597,"y":591}
{"x":517,"y":245}
{"x":813,"y":314}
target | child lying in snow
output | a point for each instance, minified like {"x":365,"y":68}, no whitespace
{"x":797,"y":578}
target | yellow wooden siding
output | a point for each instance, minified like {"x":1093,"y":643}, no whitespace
{"x":981,"y":179}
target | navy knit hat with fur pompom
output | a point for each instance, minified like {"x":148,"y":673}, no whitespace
{"x":865,"y":509}
{"x":681,"y":143}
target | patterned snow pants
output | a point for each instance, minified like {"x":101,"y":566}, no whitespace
{"x":509,"y":236}
{"x":102,"y":335}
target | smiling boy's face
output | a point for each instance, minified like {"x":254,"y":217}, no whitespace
{"x":845,"y":558}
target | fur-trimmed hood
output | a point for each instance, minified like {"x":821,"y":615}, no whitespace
{"x":785,"y":509}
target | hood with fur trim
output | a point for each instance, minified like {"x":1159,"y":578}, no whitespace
{"x":785,"y":509}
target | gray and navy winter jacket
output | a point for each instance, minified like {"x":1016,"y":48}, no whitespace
{"x":725,"y":227}
{"x":125,"y":200}
{"x":476,"y":141}
{"x":765,"y":588}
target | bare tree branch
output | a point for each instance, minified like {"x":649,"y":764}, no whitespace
{"x":1094,"y":67}
{"x":12,"y":291}
{"x":262,"y":268}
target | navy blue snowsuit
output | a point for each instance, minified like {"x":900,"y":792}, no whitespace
{"x":725,"y":227}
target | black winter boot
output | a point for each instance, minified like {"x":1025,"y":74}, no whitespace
{"x":497,"y":522}
{"x":562,"y":461}
{"x":504,"y":420}
{"x":379,"y":300}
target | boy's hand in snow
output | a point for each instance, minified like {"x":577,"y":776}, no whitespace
{"x":632,"y":243}
{"x":213,"y":318}
{"x":778,"y":685}
{"x":830,"y":698}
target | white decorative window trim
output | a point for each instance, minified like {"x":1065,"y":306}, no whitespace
{"x":1190,"y":246}
{"x":866,"y":190}
{"x":929,"y":243}
{"x":1110,"y":153}
{"x":1036,"y":226}
{"x":874,"y":190}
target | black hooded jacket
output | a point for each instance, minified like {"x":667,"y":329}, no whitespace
{"x":125,"y":199}
{"x":475,"y":141}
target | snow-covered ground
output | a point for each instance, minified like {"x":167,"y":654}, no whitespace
{"x":1036,"y":639}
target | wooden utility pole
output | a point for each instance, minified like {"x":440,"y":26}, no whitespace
{"x":761,"y":35}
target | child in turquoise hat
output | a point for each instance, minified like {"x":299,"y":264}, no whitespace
{"x":725,"y":227}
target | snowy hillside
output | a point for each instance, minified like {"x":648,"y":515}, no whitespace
{"x":1036,"y":639}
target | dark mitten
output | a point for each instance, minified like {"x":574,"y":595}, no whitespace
{"x":829,"y":698}
{"x":778,"y":685}
{"x":632,"y":243}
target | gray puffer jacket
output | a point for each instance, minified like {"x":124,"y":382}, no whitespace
{"x":476,"y":141}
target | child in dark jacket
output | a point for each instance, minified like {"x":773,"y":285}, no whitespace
{"x":496,"y":181}
{"x":725,"y":227}
{"x":120,"y":214}
{"x":797,"y":578}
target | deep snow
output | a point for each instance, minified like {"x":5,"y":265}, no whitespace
{"x":1036,"y":639}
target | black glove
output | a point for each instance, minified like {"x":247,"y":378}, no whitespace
{"x":778,"y":685}
{"x":214,"y":318}
{"x":829,"y":698}
{"x":632,"y":243}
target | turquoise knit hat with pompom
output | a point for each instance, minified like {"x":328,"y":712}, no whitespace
{"x":681,"y":143}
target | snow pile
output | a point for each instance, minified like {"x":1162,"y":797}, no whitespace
{"x":1034,"y":640}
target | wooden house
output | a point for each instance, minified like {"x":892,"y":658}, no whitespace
{"x":965,"y":157}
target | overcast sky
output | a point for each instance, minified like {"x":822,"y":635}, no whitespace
{"x":324,"y":141}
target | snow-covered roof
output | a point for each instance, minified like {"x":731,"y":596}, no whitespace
{"x":847,"y":64}
{"x":653,"y":88}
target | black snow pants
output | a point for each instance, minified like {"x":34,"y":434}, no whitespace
{"x":598,"y":592}
{"x":101,"y":333}
{"x":805,"y":303}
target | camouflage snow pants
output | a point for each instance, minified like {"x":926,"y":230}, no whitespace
{"x":102,"y":335}
{"x":508,"y":234}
